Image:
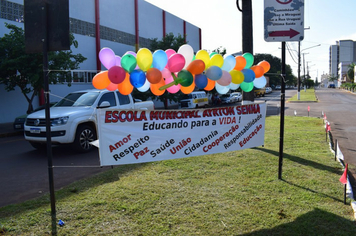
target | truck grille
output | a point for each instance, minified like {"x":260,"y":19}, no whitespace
{"x":37,"y":122}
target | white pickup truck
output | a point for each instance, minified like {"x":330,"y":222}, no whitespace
{"x":73,"y":119}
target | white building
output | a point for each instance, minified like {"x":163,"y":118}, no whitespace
{"x":122,"y":25}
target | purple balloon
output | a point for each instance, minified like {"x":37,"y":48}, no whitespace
{"x":107,"y":57}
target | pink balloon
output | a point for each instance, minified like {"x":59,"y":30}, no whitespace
{"x":118,"y":61}
{"x":166,"y":73}
{"x":170,"y":52}
{"x":116,"y":74}
{"x":107,"y":57}
{"x":174,"y":88}
{"x":225,"y":79}
{"x":176,"y":62}
{"x":111,"y":87}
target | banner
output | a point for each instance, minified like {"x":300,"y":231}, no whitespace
{"x":137,"y":136}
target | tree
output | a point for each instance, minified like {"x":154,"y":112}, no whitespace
{"x":18,"y":69}
{"x":274,"y":73}
{"x":332,"y":78}
{"x":350,"y":72}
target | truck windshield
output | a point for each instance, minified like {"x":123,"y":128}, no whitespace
{"x":78,"y":99}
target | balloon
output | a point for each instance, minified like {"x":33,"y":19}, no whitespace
{"x":153,"y":75}
{"x":196,"y":67}
{"x":128,"y":62}
{"x":176,"y":62}
{"x":137,"y":78}
{"x":229,"y":63}
{"x":204,"y":56}
{"x":212,"y":54}
{"x":144,"y":59}
{"x":170,"y":52}
{"x":249,"y":59}
{"x":237,"y":77}
{"x":266,"y":66}
{"x":116,"y":74}
{"x":117,"y":61}
{"x":221,"y":89}
{"x":107,"y":57}
{"x":260,"y":82}
{"x":225,"y":79}
{"x":249,"y":75}
{"x":216,"y":60}
{"x":240,"y":63}
{"x":174,"y":88}
{"x":166,"y":73}
{"x":185,"y":78}
{"x":145,"y":87}
{"x":188,"y":53}
{"x":155,"y":88}
{"x":160,"y":59}
{"x":201,"y":81}
{"x":133,"y":54}
{"x":233,"y":86}
{"x":259,"y":71}
{"x":125,"y":88}
{"x":111,"y":87}
{"x":210,"y":86}
{"x":246,"y":87}
{"x":214,"y":73}
{"x":101,"y":80}
{"x":188,"y":89}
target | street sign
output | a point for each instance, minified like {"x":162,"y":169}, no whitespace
{"x":283,"y":20}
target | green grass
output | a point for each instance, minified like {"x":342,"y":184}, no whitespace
{"x":305,"y":96}
{"x":233,"y":193}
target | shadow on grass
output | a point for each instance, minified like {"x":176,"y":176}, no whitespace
{"x":316,"y":222}
{"x":303,"y":161}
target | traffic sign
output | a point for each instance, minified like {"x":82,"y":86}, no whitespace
{"x":283,"y":20}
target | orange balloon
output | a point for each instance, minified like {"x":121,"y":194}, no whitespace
{"x":154,"y":75}
{"x":155,"y":88}
{"x":266,"y":66}
{"x":101,"y":80}
{"x":125,"y":87}
{"x":196,"y":67}
{"x":187,"y":90}
{"x":240,"y":63}
{"x":210,"y":85}
{"x":111,"y":87}
{"x":259,"y":71}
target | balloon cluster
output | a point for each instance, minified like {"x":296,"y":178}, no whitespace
{"x":178,"y":71}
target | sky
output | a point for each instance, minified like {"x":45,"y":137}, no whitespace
{"x":221,"y":23}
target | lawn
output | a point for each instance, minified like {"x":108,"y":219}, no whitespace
{"x":305,"y":96}
{"x":232,"y":193}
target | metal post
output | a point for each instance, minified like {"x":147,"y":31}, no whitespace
{"x":282,"y":110}
{"x":299,"y":70}
{"x":335,"y":149}
{"x":48,"y":121}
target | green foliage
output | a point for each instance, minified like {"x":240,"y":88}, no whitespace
{"x":168,"y":42}
{"x":349,"y":86}
{"x":274,"y":73}
{"x":350,"y":72}
{"x":332,"y":78}
{"x":19,"y":69}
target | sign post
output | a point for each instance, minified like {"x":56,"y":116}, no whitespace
{"x":283,"y":21}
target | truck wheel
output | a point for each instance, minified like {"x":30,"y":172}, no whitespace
{"x":85,"y":134}
{"x":38,"y":145}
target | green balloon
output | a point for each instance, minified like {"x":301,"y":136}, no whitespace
{"x":249,"y":59}
{"x":246,"y":87}
{"x":128,"y":62}
{"x":185,"y":78}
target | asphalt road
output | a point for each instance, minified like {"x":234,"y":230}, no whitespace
{"x":24,"y":170}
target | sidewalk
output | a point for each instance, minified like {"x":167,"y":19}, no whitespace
{"x":7,"y":130}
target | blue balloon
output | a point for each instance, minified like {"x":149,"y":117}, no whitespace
{"x":229,"y":63}
{"x":201,"y":81}
{"x":137,"y":78}
{"x":160,"y":59}
{"x":249,"y":75}
{"x":214,"y":73}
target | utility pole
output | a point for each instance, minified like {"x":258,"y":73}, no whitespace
{"x":247,"y":37}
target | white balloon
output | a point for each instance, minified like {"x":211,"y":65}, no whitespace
{"x":260,"y":82}
{"x":144,"y":87}
{"x":188,"y":53}
{"x":221,"y":89}
{"x":229,"y":63}
{"x":234,"y":86}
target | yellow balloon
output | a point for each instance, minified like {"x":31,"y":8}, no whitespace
{"x":216,"y":60}
{"x":204,"y":56}
{"x":237,"y":77}
{"x":144,"y":59}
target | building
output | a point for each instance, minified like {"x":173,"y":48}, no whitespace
{"x":122,"y":25}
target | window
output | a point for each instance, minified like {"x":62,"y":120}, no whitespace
{"x":123,"y":99}
{"x":109,"y":97}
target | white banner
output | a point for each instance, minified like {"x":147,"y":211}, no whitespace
{"x":132,"y":136}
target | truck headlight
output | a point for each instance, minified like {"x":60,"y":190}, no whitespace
{"x":60,"y":121}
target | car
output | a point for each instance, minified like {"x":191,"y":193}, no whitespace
{"x":20,"y":120}
{"x":268,"y":90}
{"x":278,"y":87}
{"x":225,"y":98}
{"x":331,"y":86}
{"x":236,"y":96}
